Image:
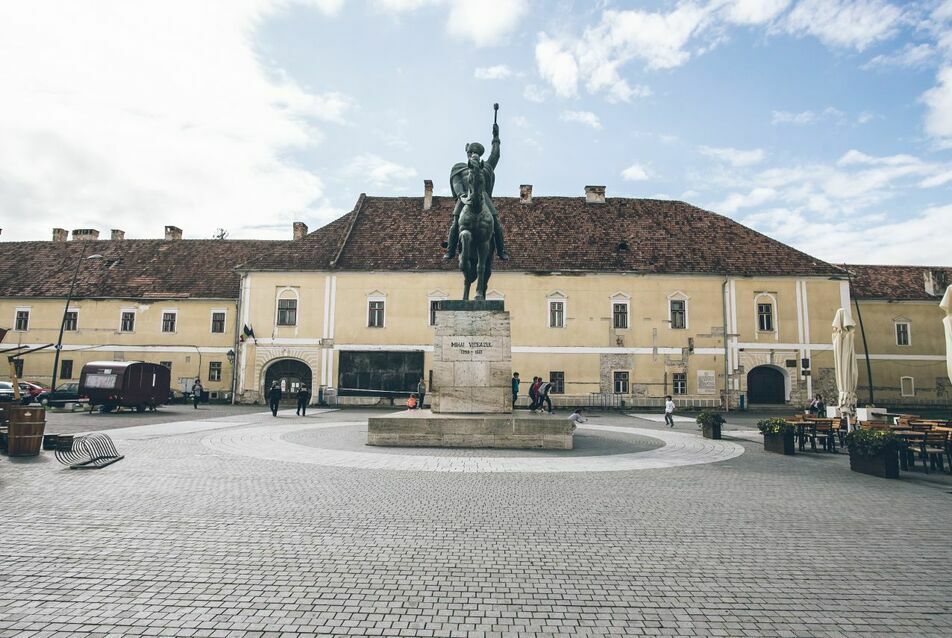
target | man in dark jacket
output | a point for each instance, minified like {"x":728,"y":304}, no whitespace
{"x":303,"y":398}
{"x":274,"y":398}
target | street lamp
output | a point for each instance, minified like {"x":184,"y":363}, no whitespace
{"x":69,"y":297}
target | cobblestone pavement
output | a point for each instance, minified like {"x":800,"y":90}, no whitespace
{"x":180,"y":539}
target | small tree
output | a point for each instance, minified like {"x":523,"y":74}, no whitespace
{"x":220,"y":233}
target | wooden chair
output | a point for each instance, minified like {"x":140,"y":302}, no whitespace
{"x":935,"y":446}
{"x":826,"y":434}
{"x":920,"y":426}
{"x":874,"y":425}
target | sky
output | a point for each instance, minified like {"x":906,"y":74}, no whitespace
{"x":825,"y":124}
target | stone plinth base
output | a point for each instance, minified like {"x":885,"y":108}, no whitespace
{"x":422,"y":428}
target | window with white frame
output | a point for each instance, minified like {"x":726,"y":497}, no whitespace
{"x":218,"y":321}
{"x":21,"y":321}
{"x":214,"y":370}
{"x":169,"y":318}
{"x":765,"y":316}
{"x":376,"y":313}
{"x":620,"y":315}
{"x":620,"y":381}
{"x":903,"y":333}
{"x":127,"y":321}
{"x":287,"y":312}
{"x":557,"y":379}
{"x":70,"y":320}
{"x":907,"y":386}
{"x":679,"y":383}
{"x":678,"y":310}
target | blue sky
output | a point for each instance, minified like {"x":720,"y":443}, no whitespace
{"x":825,"y":124}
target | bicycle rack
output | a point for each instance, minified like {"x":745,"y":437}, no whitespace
{"x":91,"y":451}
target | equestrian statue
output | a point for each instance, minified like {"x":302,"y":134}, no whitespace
{"x":476,"y":230}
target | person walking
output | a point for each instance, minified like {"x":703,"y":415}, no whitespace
{"x":515,"y":388}
{"x":421,"y":391}
{"x":669,"y":411}
{"x":274,"y":398}
{"x":544,"y":396}
{"x":197,"y":390}
{"x":303,"y":399}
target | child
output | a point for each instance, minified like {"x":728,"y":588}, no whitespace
{"x":669,"y":411}
{"x":412,"y":402}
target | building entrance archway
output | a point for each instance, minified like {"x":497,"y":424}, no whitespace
{"x":766,"y":384}
{"x":290,"y":375}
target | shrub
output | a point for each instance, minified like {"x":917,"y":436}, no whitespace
{"x":774,"y":426}
{"x":870,"y":442}
{"x":710,"y":418}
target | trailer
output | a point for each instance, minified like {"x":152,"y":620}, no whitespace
{"x":129,"y":384}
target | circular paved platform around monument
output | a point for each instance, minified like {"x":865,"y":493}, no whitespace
{"x":600,"y":448}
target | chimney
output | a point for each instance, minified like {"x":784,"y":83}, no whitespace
{"x":300,"y":230}
{"x":525,"y":194}
{"x":594,"y":194}
{"x":60,"y":234}
{"x":173,"y":232}
{"x":118,"y":235}
{"x":85,"y":234}
{"x":427,"y":194}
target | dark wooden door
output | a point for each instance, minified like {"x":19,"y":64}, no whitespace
{"x":765,"y":385}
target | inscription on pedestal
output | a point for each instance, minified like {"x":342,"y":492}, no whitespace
{"x":471,"y":348}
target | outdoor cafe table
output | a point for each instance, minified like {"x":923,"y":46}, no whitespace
{"x":806,"y":429}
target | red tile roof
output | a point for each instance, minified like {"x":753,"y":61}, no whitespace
{"x":897,"y":282}
{"x":551,"y":234}
{"x":129,"y":268}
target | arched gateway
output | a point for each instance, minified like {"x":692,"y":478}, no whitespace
{"x":766,"y":384}
{"x":290,"y":374}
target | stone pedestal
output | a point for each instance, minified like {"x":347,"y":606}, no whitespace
{"x":471,"y":390}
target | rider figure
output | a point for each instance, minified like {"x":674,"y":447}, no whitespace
{"x":474,"y":152}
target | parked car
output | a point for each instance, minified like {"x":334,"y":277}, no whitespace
{"x":6,"y":392}
{"x":29,"y":391}
{"x":64,"y":393}
{"x":132,"y":384}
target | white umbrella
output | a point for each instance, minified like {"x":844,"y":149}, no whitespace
{"x":844,"y":361}
{"x":946,"y":305}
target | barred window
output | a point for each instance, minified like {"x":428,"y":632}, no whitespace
{"x":557,"y":379}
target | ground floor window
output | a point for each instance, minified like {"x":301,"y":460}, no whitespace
{"x":66,"y":369}
{"x":680,"y":383}
{"x":379,"y":373}
{"x":907,"y":386}
{"x":557,"y":379}
{"x":620,"y":382}
{"x":214,"y":371}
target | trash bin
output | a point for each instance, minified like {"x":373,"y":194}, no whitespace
{"x":25,"y":431}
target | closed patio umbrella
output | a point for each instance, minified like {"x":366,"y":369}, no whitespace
{"x":946,"y":305}
{"x":844,"y":360}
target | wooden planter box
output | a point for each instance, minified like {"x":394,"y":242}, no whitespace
{"x":781,"y":443}
{"x":711,"y":431}
{"x":883,"y":465}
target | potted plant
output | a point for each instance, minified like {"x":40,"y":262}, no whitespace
{"x":778,"y":436}
{"x":710,"y":423}
{"x":874,"y":452}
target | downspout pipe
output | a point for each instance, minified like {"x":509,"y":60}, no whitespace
{"x":727,"y":367}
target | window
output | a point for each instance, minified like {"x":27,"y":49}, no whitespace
{"x":214,"y":371}
{"x":127,"y":321}
{"x":168,"y":321}
{"x":22,"y":320}
{"x":680,"y":383}
{"x":218,"y":321}
{"x":620,"y":382}
{"x":287,"y":312}
{"x":556,"y":314}
{"x":167,"y":364}
{"x":66,"y":368}
{"x":375,"y":310}
{"x":765,"y":322}
{"x":902,"y":334}
{"x":907,"y":386}
{"x":18,"y":367}
{"x":434,"y":305}
{"x":620,"y":315}
{"x":557,"y":379}
{"x":678,"y":314}
{"x":70,"y":319}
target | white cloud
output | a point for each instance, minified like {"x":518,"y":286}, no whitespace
{"x":400,"y":6}
{"x":557,"y":66}
{"x":636,"y":173}
{"x":485,"y":22}
{"x":583,"y":117}
{"x":380,"y":172}
{"x":736,"y":201}
{"x":910,"y":56}
{"x":152,"y":113}
{"x":496,"y":72}
{"x":755,"y":11}
{"x":854,"y":24}
{"x":734,"y":156}
{"x":806,"y":117}
{"x":534,"y":93}
{"x":938,"y":101}
{"x":865,"y":117}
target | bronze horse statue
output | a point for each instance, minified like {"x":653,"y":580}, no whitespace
{"x":476,"y":230}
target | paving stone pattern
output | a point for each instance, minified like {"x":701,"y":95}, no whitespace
{"x":182,"y":540}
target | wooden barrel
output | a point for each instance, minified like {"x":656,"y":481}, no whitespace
{"x":25,"y":430}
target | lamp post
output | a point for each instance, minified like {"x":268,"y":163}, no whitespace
{"x":69,"y":297}
{"x":231,"y":361}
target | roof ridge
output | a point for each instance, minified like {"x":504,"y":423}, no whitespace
{"x":350,"y":229}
